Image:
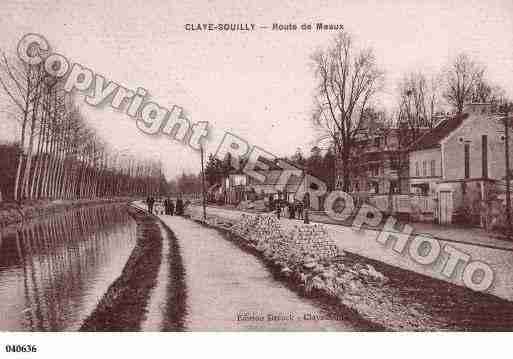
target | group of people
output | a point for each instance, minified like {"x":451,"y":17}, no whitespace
{"x":169,"y":206}
{"x":295,"y":209}
{"x":171,"y":209}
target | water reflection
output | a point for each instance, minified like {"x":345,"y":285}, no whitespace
{"x":53,"y":271}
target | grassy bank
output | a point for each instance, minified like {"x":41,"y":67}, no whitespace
{"x":176,"y":293}
{"x":123,"y":307}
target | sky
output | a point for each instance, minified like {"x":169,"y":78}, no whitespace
{"x":258,"y":85}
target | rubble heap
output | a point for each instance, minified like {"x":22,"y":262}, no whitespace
{"x":305,"y":240}
{"x":307,"y":255}
{"x":260,"y":230}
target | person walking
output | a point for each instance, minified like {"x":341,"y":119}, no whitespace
{"x":148,"y":203}
{"x":278,"y":208}
{"x":166,"y":206}
{"x":179,"y":206}
{"x":151,"y":202}
{"x":171,"y":207}
{"x":299,"y":209}
{"x":292,"y":210}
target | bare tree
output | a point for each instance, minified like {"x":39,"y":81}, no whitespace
{"x":485,"y":92}
{"x":461,"y":78}
{"x":347,"y":80}
{"x":22,"y":84}
{"x":419,"y":101}
{"x":60,"y":155}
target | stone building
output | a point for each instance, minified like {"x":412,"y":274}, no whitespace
{"x":461,"y":161}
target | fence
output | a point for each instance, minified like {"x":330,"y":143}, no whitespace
{"x":404,"y":203}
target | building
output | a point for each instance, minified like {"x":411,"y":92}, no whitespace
{"x":379,"y":162}
{"x":460,"y":162}
{"x":239,"y":187}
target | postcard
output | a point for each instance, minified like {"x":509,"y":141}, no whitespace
{"x":334,"y":166}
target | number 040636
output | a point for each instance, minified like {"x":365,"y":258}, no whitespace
{"x":20,"y":348}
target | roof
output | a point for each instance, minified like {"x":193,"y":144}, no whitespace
{"x":433,"y":138}
{"x":274,"y":177}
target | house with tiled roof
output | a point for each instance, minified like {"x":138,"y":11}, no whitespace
{"x":239,"y":186}
{"x":460,"y":160}
{"x":425,"y":155}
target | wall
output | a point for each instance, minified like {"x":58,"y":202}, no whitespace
{"x":471,"y":130}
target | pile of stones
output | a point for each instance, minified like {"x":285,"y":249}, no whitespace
{"x":309,"y":259}
{"x":307,"y":255}
{"x":262,"y":231}
{"x":308,"y":239}
{"x":294,"y":247}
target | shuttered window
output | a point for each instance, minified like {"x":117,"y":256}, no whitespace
{"x":485,"y":155}
{"x":467,"y":160}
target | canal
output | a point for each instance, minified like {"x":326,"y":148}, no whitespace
{"x":54,"y":270}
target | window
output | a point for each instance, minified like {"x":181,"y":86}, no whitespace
{"x":239,"y":180}
{"x":394,"y":187}
{"x":394,"y":162}
{"x":433,"y":168}
{"x":417,"y":172}
{"x":485,"y":155}
{"x":424,"y":168}
{"x":467,"y":160}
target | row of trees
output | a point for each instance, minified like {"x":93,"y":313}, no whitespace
{"x":184,"y":184}
{"x":349,"y":79}
{"x":422,"y":98}
{"x":317,"y":164}
{"x":58,"y":155}
{"x":216,"y":170}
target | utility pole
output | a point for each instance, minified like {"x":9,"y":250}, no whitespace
{"x":508,"y":185}
{"x":203,"y":185}
{"x":160,"y":177}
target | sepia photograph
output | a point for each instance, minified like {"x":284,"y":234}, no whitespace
{"x":254,"y":166}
